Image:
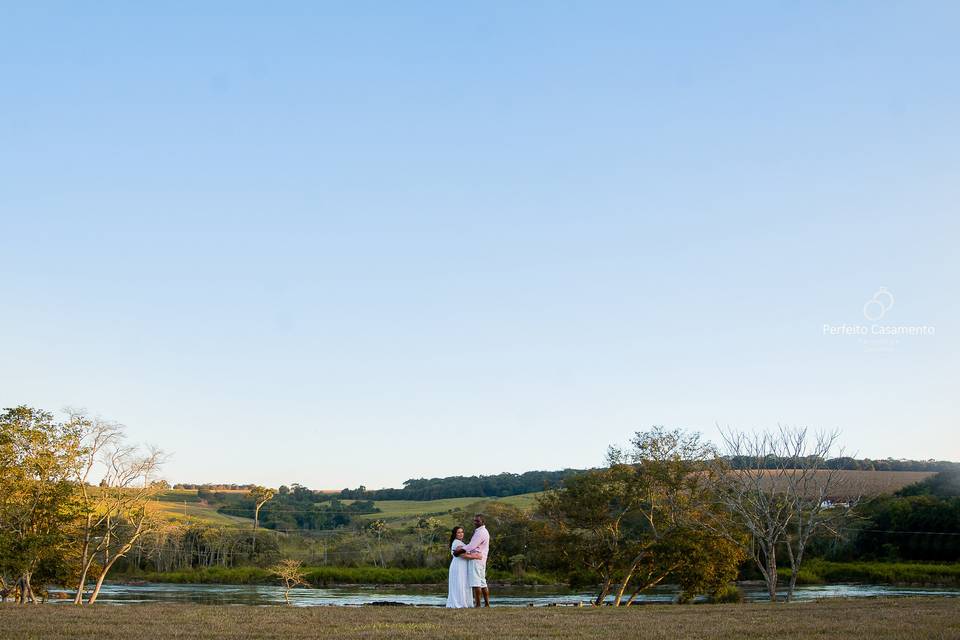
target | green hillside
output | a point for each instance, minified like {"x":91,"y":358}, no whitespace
{"x":184,"y":505}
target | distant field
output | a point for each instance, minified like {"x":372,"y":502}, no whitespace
{"x":871,"y":483}
{"x":897,"y":619}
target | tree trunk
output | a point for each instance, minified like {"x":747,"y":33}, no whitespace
{"x":794,"y":572}
{"x":96,"y":587}
{"x":84,"y":565}
{"x":647,"y":585}
{"x":105,"y":571}
{"x":116,"y":556}
{"x":772,"y":573}
{"x":623,"y":588}
{"x":81,"y":587}
{"x":26,"y":590}
{"x":603,"y":593}
{"x":256,"y":525}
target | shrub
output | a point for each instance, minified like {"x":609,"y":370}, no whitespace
{"x":730,"y":594}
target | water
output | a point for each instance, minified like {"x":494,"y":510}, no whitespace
{"x":436,"y":596}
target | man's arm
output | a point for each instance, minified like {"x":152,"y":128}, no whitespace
{"x":479,"y":537}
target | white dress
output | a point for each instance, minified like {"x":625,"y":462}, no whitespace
{"x":459,"y":594}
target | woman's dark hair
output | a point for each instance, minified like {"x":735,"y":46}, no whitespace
{"x":453,"y":534}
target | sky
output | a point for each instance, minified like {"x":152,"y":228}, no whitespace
{"x":344,"y":243}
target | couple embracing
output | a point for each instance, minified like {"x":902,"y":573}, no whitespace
{"x":468,"y":569}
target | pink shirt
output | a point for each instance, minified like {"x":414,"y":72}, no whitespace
{"x":480,"y":541}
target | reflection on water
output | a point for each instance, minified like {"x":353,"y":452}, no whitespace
{"x":436,"y":596}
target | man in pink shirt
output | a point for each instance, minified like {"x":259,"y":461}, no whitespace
{"x":479,"y":543}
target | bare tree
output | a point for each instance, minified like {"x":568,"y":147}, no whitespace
{"x":778,"y":487}
{"x":116,"y":515}
{"x":291,"y":575}
{"x":96,"y":435}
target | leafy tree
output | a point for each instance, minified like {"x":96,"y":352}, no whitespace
{"x":945,"y":484}
{"x":919,"y":522}
{"x":378,"y":528}
{"x":639,"y":521}
{"x":38,"y":459}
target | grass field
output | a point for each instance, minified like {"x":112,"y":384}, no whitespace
{"x":405,"y":513}
{"x":899,"y":619}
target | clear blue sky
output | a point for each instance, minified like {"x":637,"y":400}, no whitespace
{"x":357,"y":242}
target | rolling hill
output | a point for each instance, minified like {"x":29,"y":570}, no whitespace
{"x":185,"y":505}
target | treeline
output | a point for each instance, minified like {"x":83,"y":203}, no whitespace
{"x":842,"y":463}
{"x":214,"y":486}
{"x":511,"y":484}
{"x":496,"y":486}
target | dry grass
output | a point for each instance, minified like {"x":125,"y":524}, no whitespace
{"x":850,"y":484}
{"x":902,"y":618}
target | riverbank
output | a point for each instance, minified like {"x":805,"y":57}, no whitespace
{"x":814,"y":572}
{"x":324,"y":576}
{"x":895,"y":619}
{"x":818,"y":571}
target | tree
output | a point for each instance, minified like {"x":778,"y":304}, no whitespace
{"x":291,"y":575}
{"x":260,"y":495}
{"x":426,"y":530}
{"x":38,"y":459}
{"x":782,"y":494}
{"x":378,"y":528}
{"x":638,"y":521}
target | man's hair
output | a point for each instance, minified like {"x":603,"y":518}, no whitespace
{"x":481,"y":518}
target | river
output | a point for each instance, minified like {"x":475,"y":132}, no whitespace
{"x":436,"y":596}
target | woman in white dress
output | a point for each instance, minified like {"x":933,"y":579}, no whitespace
{"x":459,"y":594}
